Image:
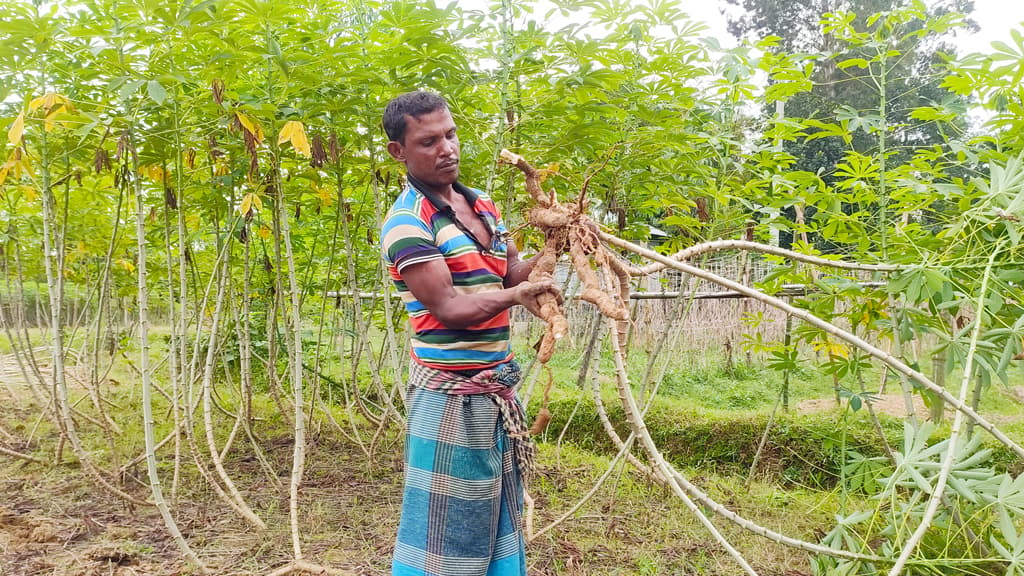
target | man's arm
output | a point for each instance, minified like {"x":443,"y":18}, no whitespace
{"x":518,"y":270}
{"x":431,"y":283}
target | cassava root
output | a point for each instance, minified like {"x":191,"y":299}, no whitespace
{"x":567,"y":229}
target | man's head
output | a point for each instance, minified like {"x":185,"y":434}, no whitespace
{"x":413,"y":104}
{"x":422,"y":136}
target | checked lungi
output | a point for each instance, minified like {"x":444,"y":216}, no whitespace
{"x":463,"y":499}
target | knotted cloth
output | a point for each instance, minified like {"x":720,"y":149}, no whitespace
{"x":499,"y":382}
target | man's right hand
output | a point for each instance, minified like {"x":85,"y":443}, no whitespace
{"x":528,"y":293}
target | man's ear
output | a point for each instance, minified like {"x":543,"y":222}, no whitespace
{"x":396,"y":150}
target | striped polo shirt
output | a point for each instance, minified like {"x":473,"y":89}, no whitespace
{"x":414,"y":232}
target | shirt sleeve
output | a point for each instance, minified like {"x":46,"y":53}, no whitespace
{"x":406,"y":239}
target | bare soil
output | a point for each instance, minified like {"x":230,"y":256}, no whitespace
{"x":55,"y":521}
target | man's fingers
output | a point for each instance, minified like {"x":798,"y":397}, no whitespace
{"x":539,"y":288}
{"x":530,"y":293}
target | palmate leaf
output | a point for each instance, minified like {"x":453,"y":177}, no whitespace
{"x":47,"y":102}
{"x":1008,"y":501}
{"x":999,"y":202}
{"x":1014,"y":558}
{"x":918,"y":466}
{"x":844,"y":536}
{"x":249,"y":202}
{"x":293,"y":131}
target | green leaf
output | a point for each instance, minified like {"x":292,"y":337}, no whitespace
{"x":157,"y":93}
{"x":128,"y":89}
{"x":858,"y":62}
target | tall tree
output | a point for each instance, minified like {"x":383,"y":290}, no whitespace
{"x":873,"y":98}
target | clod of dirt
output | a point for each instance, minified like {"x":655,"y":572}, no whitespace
{"x":7,"y":516}
{"x":44,"y":532}
{"x":121,"y":532}
{"x":111,"y":554}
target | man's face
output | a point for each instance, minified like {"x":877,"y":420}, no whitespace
{"x":430,"y":151}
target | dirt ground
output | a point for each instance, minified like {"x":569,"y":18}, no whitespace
{"x":895,"y":405}
{"x":891,"y":404}
{"x":55,"y":521}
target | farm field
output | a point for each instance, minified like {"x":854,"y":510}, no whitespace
{"x":54,"y":521}
{"x":770,"y":319}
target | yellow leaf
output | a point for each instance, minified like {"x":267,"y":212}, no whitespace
{"x":838,"y":349}
{"x":127,"y":265}
{"x":17,"y":129}
{"x":325,"y":195}
{"x":21,"y":164}
{"x":30,"y":193}
{"x":154,"y":172}
{"x":49,"y":119}
{"x":295,"y":132}
{"x":264,"y":232}
{"x":244,"y":121}
{"x":257,"y":202}
{"x":48,"y":101}
{"x":246,"y":204}
{"x":251,"y":126}
{"x":547,"y":171}
{"x":301,"y":143}
{"x":17,"y":164}
{"x":286,"y":131}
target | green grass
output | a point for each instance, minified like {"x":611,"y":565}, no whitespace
{"x":632,"y":527}
{"x":708,"y":418}
{"x":710,"y":380}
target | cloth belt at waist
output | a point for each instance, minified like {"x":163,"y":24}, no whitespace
{"x":498,"y":382}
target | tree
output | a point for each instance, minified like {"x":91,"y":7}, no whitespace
{"x":873,"y":98}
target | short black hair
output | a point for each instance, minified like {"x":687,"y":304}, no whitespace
{"x":414,"y":104}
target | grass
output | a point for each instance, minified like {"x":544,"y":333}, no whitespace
{"x":708,"y":418}
{"x":631,"y":527}
{"x":350,"y":509}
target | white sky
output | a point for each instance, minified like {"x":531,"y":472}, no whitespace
{"x":996,"y":18}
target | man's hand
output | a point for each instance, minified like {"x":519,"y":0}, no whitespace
{"x":528,"y":293}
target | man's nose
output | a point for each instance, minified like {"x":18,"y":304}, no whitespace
{"x":447,"y":147}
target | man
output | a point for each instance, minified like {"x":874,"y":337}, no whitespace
{"x":466,"y":447}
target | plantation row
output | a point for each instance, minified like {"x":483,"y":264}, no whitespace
{"x":222,"y":162}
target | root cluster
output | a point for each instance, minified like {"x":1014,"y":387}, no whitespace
{"x":568,"y":230}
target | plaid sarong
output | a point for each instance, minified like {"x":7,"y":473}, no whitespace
{"x":463,"y":499}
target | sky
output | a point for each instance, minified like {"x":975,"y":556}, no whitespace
{"x":996,"y":18}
